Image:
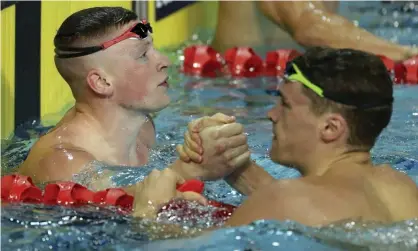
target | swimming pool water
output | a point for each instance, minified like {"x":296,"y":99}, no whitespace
{"x":35,"y":227}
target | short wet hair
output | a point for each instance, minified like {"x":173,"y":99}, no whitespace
{"x":85,"y":28}
{"x":356,"y":73}
{"x":91,"y":23}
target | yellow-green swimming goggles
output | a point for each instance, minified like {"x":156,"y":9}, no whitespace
{"x":360,"y":101}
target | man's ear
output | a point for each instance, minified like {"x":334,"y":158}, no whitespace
{"x":98,"y":83}
{"x":333,"y":127}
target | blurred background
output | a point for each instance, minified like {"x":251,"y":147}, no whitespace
{"x":31,"y":88}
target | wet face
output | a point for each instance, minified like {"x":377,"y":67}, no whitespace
{"x":295,"y":127}
{"x":138,"y":73}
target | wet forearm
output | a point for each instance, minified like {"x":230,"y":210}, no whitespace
{"x":187,"y":170}
{"x":338,"y":32}
{"x":249,"y":178}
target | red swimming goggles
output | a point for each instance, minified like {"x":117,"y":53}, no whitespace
{"x":139,"y":30}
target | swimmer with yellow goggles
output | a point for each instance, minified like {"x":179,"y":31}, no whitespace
{"x":359,"y":100}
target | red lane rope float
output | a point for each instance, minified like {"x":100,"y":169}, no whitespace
{"x":196,"y":186}
{"x":67,"y":193}
{"x":20,"y":188}
{"x":223,"y":210}
{"x":406,"y":72}
{"x":243,"y":62}
{"x":114,"y":197}
{"x":389,"y":63}
{"x":276,"y":61}
{"x":202,"y":61}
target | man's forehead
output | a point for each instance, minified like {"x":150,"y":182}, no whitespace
{"x":286,"y":87}
{"x":291,"y":90}
{"x":137,"y":43}
{"x":134,"y":45}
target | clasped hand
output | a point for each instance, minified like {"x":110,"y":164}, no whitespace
{"x":213,"y":148}
{"x":216,"y":145}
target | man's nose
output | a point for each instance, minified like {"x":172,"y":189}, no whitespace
{"x":272,"y":115}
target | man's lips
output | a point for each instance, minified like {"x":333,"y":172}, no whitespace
{"x":164,"y":83}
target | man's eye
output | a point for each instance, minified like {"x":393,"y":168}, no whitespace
{"x":143,"y":56}
{"x":284,"y":103}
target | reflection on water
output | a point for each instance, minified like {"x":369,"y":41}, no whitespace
{"x":37,"y":227}
{"x":31,"y":227}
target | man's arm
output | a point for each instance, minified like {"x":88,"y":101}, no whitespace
{"x":311,"y":24}
{"x":187,"y":171}
{"x":249,"y":178}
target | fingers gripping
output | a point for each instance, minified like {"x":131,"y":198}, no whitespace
{"x":182,"y":153}
{"x":240,"y":160}
{"x":195,"y":157}
{"x":235,"y":152}
{"x":217,"y":119}
{"x":227,"y":130}
{"x":192,"y":144}
{"x":196,"y":125}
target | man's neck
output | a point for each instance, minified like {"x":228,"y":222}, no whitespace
{"x":322,"y":163}
{"x":117,"y":126}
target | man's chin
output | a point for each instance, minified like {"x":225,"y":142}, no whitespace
{"x":148,"y":109}
{"x":164,"y":103}
{"x":274,"y":157}
{"x":279,"y":159}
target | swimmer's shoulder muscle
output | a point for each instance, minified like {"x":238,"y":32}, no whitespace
{"x":292,"y":199}
{"x":397,"y":191}
{"x":54,"y":162}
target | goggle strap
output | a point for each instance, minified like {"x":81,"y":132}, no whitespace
{"x":298,"y":76}
{"x":90,"y":50}
{"x":295,"y":74}
{"x":79,"y":51}
{"x":360,"y":102}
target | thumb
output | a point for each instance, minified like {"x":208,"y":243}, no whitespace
{"x":179,"y":179}
{"x":218,"y":119}
{"x":170,"y":178}
{"x":192,"y":196}
{"x":223,"y":118}
{"x":204,"y":123}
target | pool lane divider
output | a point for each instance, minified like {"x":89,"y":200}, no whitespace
{"x":243,"y":62}
{"x":16,"y":188}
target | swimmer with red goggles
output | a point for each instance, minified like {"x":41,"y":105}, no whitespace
{"x":139,"y":30}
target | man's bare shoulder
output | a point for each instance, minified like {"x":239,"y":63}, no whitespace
{"x":288,"y":199}
{"x":386,"y":175}
{"x":54,"y":158}
{"x":397,"y":191}
{"x":390,"y":182}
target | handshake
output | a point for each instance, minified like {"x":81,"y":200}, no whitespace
{"x":214,"y":147}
